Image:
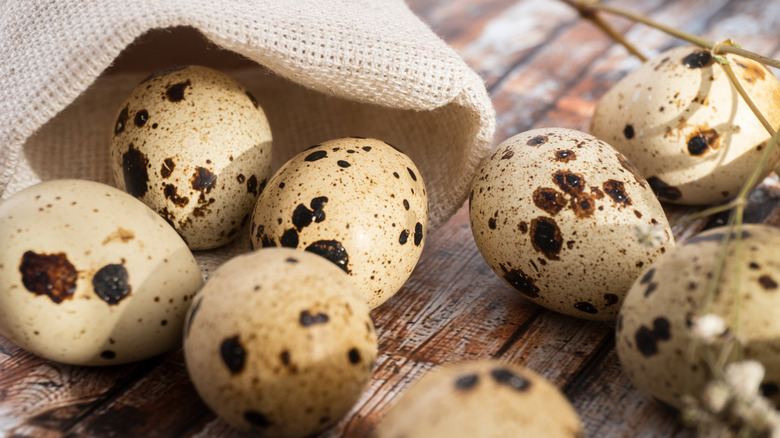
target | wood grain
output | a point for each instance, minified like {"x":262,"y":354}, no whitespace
{"x":543,"y":66}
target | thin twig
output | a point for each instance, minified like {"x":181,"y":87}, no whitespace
{"x":612,"y":33}
{"x":590,"y":7}
{"x":733,"y":78}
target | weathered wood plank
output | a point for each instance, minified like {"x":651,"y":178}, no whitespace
{"x":544,"y":67}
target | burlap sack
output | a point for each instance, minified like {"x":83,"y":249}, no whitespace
{"x":320,"y":69}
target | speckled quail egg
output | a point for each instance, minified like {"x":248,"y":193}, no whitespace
{"x":195,"y":146}
{"x":554,"y":213}
{"x":91,"y":276}
{"x":681,"y":121}
{"x":280,"y":342}
{"x":361,"y":203}
{"x":484,"y":398}
{"x":657,"y":324}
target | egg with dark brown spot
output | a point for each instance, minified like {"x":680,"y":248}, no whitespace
{"x":483,"y":398}
{"x":369,"y":218}
{"x":195,"y":146}
{"x":656,"y":332}
{"x":279,"y":342}
{"x":90,"y":275}
{"x":679,"y":118}
{"x":557,"y":220}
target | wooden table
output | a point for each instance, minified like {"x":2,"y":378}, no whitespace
{"x":543,"y":66}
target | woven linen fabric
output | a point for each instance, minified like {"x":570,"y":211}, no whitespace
{"x":320,"y":69}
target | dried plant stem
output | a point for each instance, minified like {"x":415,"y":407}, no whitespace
{"x":610,"y":31}
{"x":590,"y":7}
{"x":741,"y":90}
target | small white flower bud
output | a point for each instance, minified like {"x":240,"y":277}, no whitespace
{"x":707,"y":328}
{"x":716,"y":396}
{"x":744,"y":377}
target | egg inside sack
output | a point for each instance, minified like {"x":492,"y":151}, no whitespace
{"x":280,"y":342}
{"x":658,"y":324}
{"x":360,"y":203}
{"x":195,"y":146}
{"x":91,"y":276}
{"x":680,"y":119}
{"x":481,"y":398}
{"x":555,"y":213}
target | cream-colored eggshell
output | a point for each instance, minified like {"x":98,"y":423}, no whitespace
{"x":280,"y":342}
{"x":359,"y":202}
{"x":654,"y":337}
{"x":91,"y":276}
{"x":195,"y":146}
{"x":681,"y":121}
{"x":553,"y":212}
{"x":484,"y":398}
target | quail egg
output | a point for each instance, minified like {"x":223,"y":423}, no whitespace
{"x":361,"y":203}
{"x":554,"y":212}
{"x":91,"y":276}
{"x":195,"y":146}
{"x":280,"y":342}
{"x":683,"y":124}
{"x":483,"y":398}
{"x":659,"y":323}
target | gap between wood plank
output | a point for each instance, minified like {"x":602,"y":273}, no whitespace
{"x":518,"y":333}
{"x":115,"y":392}
{"x":578,"y":380}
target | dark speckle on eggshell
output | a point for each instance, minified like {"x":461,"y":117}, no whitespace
{"x":52,"y":275}
{"x":404,"y":237}
{"x":538,"y":140}
{"x":307,"y":319}
{"x":546,"y":237}
{"x":647,"y":339}
{"x":549,"y":200}
{"x":354,"y":356}
{"x":233,"y":354}
{"x":507,"y":377}
{"x":175,"y":93}
{"x":203,"y":180}
{"x":467,"y":382}
{"x":520,"y":281}
{"x":617,"y":191}
{"x":289,"y":238}
{"x":134,"y":171}
{"x":140,"y":118}
{"x":332,"y":250}
{"x":767,"y":282}
{"x":698,"y":59}
{"x":418,"y":234}
{"x":316,"y":155}
{"x":111,"y":283}
{"x":167,"y":167}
